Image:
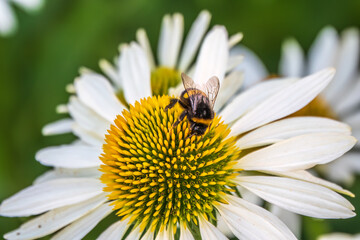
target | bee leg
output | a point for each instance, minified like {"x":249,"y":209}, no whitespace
{"x":192,"y":134}
{"x":192,"y":124}
{"x":172,"y":103}
{"x":181,"y":117}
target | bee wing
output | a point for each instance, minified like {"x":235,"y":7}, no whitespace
{"x":188,"y":82}
{"x":211,"y":88}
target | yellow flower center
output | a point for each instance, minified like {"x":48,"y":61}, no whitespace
{"x":157,"y":175}
{"x":163,"y":78}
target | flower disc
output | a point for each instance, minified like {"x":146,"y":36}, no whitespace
{"x":156,"y":174}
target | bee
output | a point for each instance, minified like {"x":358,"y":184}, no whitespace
{"x":197,"y":102}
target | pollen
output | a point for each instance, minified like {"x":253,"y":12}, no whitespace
{"x":157,"y":175}
{"x":163,"y":78}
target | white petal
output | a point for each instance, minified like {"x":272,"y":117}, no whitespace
{"x":339,"y":236}
{"x":143,"y":40}
{"x":223,"y":227}
{"x":135,"y":73}
{"x":284,"y":102}
{"x":229,"y":87}
{"x":290,"y":127}
{"x":193,"y":39}
{"x":353,"y":120}
{"x":249,"y":196}
{"x":166,"y":234}
{"x":306,"y":176}
{"x":233,"y":62}
{"x":62,"y":108}
{"x":356,"y":134}
{"x":170,"y":39}
{"x":97,"y":93}
{"x":344,"y":169}
{"x":249,"y":221}
{"x":87,"y":119}
{"x":81,"y":227}
{"x":297,"y":196}
{"x":235,"y":39}
{"x":346,"y":66}
{"x":252,"y":67}
{"x":185,"y":233}
{"x":298,"y":153}
{"x":7,"y":19}
{"x":29,"y":5}
{"x":176,"y":91}
{"x":149,"y":235}
{"x":68,"y":173}
{"x":134,"y":234}
{"x":111,"y":72}
{"x":251,"y":98}
{"x":292,"y":59}
{"x":292,"y":220}
{"x":87,"y":136}
{"x":54,"y":220}
{"x":349,"y":100}
{"x":209,"y":231}
{"x":213,"y":56}
{"x":323,"y":51}
{"x":165,"y":38}
{"x":69,"y":156}
{"x":115,"y":231}
{"x":58,"y":127}
{"x":49,"y":195}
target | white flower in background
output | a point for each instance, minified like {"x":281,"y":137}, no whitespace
{"x":339,"y":236}
{"x":8,"y":22}
{"x":173,"y":58}
{"x":340,"y":100}
{"x":159,"y":182}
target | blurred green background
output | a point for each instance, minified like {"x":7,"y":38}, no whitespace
{"x":49,"y":47}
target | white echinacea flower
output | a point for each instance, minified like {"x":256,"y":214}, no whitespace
{"x":340,"y":100}
{"x":164,"y":185}
{"x":8,"y":22}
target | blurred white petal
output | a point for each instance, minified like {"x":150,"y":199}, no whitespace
{"x":135,"y":72}
{"x":193,"y":39}
{"x":292,"y":59}
{"x":252,"y":67}
{"x":213,"y":56}
{"x":58,"y":127}
{"x":143,"y":40}
{"x":322,"y":53}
